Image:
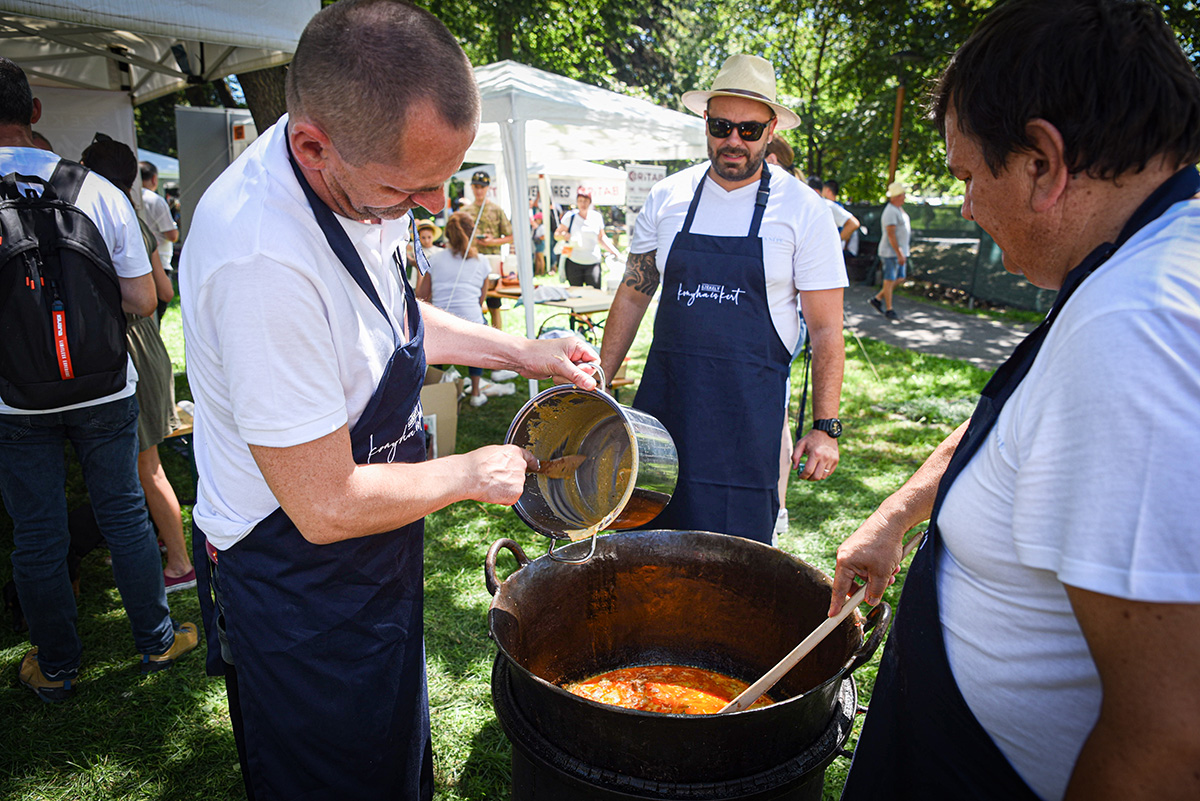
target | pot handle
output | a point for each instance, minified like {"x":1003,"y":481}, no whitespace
{"x":489,"y":561}
{"x":878,"y":621}
{"x":601,"y":381}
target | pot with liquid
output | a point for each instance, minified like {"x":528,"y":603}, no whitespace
{"x":686,"y":598}
{"x":625,"y":480}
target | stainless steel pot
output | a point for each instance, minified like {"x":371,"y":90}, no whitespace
{"x":625,"y":482}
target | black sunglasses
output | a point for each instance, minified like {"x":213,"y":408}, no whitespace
{"x":748,"y":131}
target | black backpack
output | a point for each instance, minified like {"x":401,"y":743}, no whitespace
{"x":62,"y":329}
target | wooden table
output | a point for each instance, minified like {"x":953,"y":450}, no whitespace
{"x":583,"y":301}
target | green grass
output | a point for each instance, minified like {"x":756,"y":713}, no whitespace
{"x":167,"y":736}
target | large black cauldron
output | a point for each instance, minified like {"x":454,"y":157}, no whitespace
{"x":679,"y":597}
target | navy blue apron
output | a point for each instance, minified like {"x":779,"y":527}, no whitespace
{"x":328,"y":661}
{"x":716,"y":376}
{"x":920,"y":739}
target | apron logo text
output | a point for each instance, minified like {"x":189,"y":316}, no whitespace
{"x":411,"y":429}
{"x":716,"y":292}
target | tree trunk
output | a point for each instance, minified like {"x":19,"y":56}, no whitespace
{"x":265,"y":96}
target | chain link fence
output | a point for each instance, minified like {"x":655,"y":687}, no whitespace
{"x":950,"y":251}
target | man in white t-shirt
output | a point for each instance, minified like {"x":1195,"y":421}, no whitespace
{"x":103,"y":433}
{"x":894,"y":248}
{"x":739,"y":249}
{"x":306,"y":357}
{"x":1048,"y":636}
{"x":157,"y":214}
{"x":847,"y":224}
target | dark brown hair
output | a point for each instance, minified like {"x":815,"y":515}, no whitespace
{"x":458,"y":231}
{"x":1108,"y":74}
{"x":16,"y":99}
{"x":360,"y":67}
{"x":783,"y":152}
{"x":113,"y":160}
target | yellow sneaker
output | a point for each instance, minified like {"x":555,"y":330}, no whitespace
{"x":185,"y":640}
{"x":30,"y":674}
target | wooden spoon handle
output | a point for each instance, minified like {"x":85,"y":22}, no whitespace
{"x":772,"y":676}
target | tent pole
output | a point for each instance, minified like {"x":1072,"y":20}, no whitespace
{"x":512,"y":137}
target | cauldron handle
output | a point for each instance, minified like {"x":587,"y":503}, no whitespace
{"x":489,"y":562}
{"x":877,"y":621}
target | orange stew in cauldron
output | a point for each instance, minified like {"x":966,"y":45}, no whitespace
{"x":670,"y":689}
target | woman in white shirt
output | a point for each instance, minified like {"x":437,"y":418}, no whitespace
{"x":583,"y":228}
{"x":457,"y":283}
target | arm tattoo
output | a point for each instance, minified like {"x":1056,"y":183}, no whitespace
{"x":641,"y":273}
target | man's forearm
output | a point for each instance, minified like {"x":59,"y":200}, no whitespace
{"x":628,"y":307}
{"x":450,"y":340}
{"x":913,"y":502}
{"x":829,"y":364}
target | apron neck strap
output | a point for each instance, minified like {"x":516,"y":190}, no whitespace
{"x":339,"y":240}
{"x":1179,"y":187}
{"x":760,"y":201}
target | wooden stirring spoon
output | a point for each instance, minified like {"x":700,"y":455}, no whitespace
{"x":562,"y":467}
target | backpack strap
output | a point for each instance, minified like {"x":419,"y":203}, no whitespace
{"x":67,"y":180}
{"x":8,"y":185}
{"x":64,"y":184}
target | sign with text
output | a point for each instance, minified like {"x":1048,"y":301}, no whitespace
{"x":640,"y":177}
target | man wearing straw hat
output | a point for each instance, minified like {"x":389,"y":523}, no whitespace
{"x":739,"y":248}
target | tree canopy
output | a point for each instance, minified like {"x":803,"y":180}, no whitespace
{"x":839,"y":65}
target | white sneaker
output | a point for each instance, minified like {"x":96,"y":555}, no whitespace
{"x":504,"y":375}
{"x":478,"y":400}
{"x":781,"y":522}
{"x":497,"y":390}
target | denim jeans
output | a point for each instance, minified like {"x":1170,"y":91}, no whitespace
{"x":32,"y":485}
{"x":893,"y":270}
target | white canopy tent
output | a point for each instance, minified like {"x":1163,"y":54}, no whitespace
{"x":565,"y":176}
{"x":527,"y":110}
{"x":90,"y":61}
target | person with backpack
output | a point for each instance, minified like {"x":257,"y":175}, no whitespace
{"x":58,"y":385}
{"x":156,"y":376}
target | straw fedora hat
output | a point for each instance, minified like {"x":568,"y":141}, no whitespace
{"x":743,"y":76}
{"x":423,"y":224}
{"x":897,"y":188}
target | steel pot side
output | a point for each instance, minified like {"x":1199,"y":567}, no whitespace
{"x":565,"y":420}
{"x":681,"y":597}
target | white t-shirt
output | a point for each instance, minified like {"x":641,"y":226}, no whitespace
{"x":283,"y":345}
{"x":158,"y":216}
{"x":458,"y":283}
{"x":894,"y":215}
{"x":801,"y":250}
{"x":1087,"y":479}
{"x":113,"y":214}
{"x":839,"y":214}
{"x":585,"y":235}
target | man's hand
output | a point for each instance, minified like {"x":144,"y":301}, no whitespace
{"x":558,"y":358}
{"x":871,"y":553}
{"x":821,"y":451}
{"x":498,"y":473}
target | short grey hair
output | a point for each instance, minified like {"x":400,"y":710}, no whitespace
{"x":362,"y":65}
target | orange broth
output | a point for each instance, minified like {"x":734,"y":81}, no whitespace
{"x":670,"y":689}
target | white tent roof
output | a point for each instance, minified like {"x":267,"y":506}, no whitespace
{"x":567,"y":119}
{"x":130,"y":45}
{"x":526,"y":110}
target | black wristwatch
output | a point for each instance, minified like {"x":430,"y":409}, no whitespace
{"x":831,"y":426}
